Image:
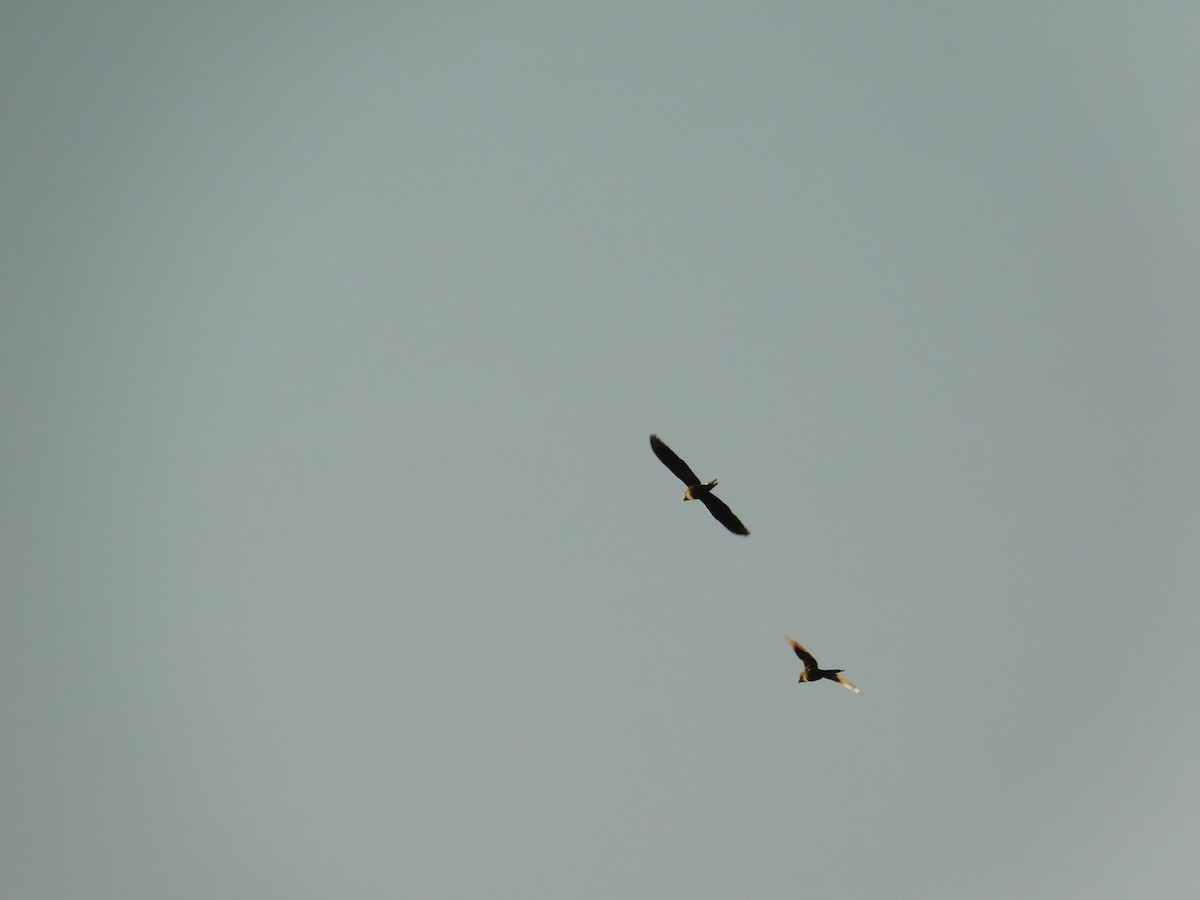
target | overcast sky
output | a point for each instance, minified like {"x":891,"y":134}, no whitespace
{"x":335,"y":559}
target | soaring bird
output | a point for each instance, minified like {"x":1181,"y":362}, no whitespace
{"x":813,"y":672}
{"x":696,"y":489}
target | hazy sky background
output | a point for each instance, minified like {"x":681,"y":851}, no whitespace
{"x":335,"y":559}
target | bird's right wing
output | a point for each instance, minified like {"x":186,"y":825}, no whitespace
{"x":681,"y":469}
{"x":723,"y":514}
{"x":846,"y":684}
{"x":810,"y":661}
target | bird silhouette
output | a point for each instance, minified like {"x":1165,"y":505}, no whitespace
{"x":813,"y":672}
{"x":696,"y":489}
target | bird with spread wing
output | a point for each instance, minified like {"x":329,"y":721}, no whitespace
{"x":696,"y":489}
{"x":813,"y":672}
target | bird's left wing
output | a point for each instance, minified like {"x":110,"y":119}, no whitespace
{"x":723,"y":514}
{"x":681,"y":469}
{"x":810,"y":661}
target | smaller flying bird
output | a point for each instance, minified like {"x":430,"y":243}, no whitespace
{"x":696,"y":489}
{"x":813,"y":672}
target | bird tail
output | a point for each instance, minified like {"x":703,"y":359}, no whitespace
{"x":846,"y":684}
{"x":712,"y":484}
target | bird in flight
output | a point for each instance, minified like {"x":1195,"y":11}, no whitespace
{"x":813,"y":672}
{"x":696,"y":489}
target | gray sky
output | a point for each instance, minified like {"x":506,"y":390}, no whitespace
{"x":337,"y":564}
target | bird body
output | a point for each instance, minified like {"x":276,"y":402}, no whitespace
{"x":813,"y":672}
{"x":697,"y":489}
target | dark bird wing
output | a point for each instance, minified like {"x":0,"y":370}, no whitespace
{"x":681,"y":469}
{"x":723,"y":514}
{"x":810,"y":661}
